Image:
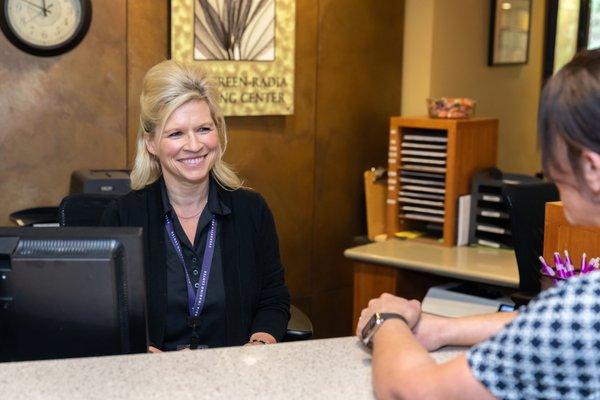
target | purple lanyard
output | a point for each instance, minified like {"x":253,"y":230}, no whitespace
{"x":195,"y":298}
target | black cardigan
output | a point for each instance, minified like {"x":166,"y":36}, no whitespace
{"x":256,"y":297}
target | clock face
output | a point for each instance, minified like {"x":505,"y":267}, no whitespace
{"x":45,"y":27}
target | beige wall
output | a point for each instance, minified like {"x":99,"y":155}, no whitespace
{"x":416,"y":66}
{"x":457,"y":67}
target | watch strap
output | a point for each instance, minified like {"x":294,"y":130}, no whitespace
{"x":386,"y":316}
{"x":375,"y":322}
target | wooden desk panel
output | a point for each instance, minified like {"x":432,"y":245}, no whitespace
{"x":372,"y":280}
{"x":559,"y":236}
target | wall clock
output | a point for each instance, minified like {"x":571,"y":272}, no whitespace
{"x":45,"y":27}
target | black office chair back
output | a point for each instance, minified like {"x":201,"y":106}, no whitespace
{"x":299,"y":326}
{"x":527,"y":207}
{"x":83,"y":209}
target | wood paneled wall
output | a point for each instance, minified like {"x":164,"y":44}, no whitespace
{"x":59,"y":114}
{"x":147,"y":44}
{"x":359,"y":55}
{"x":560,"y":235}
{"x":308,"y":166}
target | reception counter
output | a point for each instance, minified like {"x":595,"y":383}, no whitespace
{"x":331,"y":368}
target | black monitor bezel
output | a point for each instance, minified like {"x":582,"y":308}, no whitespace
{"x":131,"y":240}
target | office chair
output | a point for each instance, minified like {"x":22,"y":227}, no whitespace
{"x":35,"y":216}
{"x":86,"y":209}
{"x":83,"y":209}
{"x":526,"y":204}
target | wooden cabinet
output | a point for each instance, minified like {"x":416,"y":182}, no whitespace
{"x":559,"y":236}
{"x":430,"y":164}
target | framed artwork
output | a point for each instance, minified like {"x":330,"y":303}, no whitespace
{"x":247,"y":46}
{"x":510,"y":23}
{"x":571,"y":26}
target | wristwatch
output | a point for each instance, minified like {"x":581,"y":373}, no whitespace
{"x":374,"y":323}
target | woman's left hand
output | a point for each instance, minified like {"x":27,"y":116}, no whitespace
{"x":261,"y":338}
{"x":387,"y":303}
{"x":254,"y":343}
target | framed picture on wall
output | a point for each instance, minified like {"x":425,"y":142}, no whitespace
{"x":510,"y":23}
{"x":235,"y":31}
{"x":246,"y":46}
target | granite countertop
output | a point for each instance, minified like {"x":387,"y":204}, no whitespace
{"x":477,"y":264}
{"x":330,"y":368}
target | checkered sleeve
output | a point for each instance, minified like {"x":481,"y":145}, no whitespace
{"x":550,"y":351}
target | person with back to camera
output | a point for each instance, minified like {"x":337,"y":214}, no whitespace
{"x":213,"y":271}
{"x":549,"y":349}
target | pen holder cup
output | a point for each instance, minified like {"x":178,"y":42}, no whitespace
{"x":547,"y":281}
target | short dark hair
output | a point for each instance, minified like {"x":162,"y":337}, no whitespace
{"x":570,"y":110}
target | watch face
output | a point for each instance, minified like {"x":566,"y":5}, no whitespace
{"x":45,"y":27}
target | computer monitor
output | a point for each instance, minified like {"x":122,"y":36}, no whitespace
{"x":71,"y":292}
{"x":526,"y":203}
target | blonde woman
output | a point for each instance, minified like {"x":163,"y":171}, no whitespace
{"x":214,"y":276}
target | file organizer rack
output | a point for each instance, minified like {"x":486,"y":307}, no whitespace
{"x":490,"y":219}
{"x":430,"y":164}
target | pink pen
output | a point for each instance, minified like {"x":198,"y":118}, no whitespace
{"x":546,"y":269}
{"x":569,"y":265}
{"x":584,"y":266}
{"x":560,"y":268}
{"x":592,"y":265}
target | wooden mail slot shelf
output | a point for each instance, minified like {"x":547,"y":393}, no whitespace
{"x":430,"y":164}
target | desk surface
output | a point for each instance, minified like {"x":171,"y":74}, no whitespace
{"x":332,"y":369}
{"x":478,"y":264}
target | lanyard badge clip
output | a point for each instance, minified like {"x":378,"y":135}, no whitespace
{"x":193,"y":322}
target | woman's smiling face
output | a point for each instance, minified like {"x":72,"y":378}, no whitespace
{"x":188,"y":147}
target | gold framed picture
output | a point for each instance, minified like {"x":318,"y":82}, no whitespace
{"x":246,"y":45}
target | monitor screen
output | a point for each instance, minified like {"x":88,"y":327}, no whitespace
{"x":71,"y":292}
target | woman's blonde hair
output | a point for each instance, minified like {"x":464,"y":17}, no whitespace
{"x":167,"y":86}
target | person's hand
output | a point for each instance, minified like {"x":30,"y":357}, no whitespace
{"x":154,"y":350}
{"x":260,"y":338}
{"x":254,"y":343}
{"x":429,"y":330}
{"x":387,"y":303}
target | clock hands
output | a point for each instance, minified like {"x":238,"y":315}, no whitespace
{"x":44,"y":9}
{"x":32,"y":4}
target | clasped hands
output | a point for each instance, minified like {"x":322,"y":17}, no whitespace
{"x":425,"y":327}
